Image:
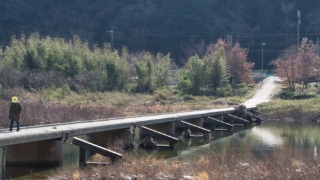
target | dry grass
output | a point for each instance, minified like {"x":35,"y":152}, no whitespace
{"x":210,"y":166}
{"x":48,"y":106}
{"x":37,"y":112}
{"x":43,"y":113}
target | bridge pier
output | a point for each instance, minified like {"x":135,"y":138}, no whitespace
{"x":48,"y":153}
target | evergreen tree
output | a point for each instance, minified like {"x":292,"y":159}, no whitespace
{"x":145,"y":74}
{"x":162,"y":70}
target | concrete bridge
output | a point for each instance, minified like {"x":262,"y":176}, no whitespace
{"x":43,"y":145}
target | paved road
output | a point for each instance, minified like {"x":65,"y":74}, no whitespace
{"x":264,"y":94}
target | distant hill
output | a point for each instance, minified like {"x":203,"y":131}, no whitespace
{"x":174,"y":26}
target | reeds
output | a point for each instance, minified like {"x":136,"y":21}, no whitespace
{"x":91,"y":106}
{"x":212,"y":165}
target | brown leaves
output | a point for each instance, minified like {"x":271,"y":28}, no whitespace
{"x":238,"y":68}
{"x":295,"y":67}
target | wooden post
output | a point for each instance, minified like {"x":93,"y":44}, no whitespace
{"x":82,"y":157}
{"x":232,"y":122}
{"x":213,"y":126}
{"x":171,"y":145}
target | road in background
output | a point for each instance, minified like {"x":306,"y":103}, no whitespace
{"x":267,"y":89}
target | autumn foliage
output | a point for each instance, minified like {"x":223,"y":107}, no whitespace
{"x":239,"y":69}
{"x":298,"y":67}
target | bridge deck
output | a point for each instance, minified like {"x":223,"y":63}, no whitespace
{"x":57,"y":131}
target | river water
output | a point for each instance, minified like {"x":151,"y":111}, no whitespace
{"x":299,"y":140}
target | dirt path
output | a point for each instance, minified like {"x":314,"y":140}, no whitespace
{"x":264,"y":94}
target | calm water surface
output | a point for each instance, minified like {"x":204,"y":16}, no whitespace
{"x":298,"y":140}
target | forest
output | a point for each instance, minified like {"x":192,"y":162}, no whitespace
{"x":182,"y":28}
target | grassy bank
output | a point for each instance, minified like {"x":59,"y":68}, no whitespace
{"x":55,"y":105}
{"x":295,"y":106}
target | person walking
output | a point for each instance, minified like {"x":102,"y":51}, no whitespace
{"x":14,"y":112}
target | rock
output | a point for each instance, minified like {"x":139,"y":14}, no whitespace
{"x":186,"y":133}
{"x":148,"y":143}
{"x":244,"y":164}
{"x":187,"y":177}
{"x":218,"y":103}
{"x":123,"y":177}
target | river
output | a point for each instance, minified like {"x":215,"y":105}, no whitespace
{"x":299,"y":140}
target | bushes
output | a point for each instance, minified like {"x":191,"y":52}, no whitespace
{"x":204,"y":76}
{"x":292,"y":95}
{"x":225,"y":91}
{"x":54,"y":93}
{"x":37,"y":63}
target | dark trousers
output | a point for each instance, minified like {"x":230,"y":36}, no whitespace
{"x":18,"y":125}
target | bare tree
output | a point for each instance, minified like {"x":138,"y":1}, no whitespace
{"x":287,"y":68}
{"x":306,"y":60}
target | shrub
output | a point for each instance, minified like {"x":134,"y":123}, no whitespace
{"x":292,"y":95}
{"x":225,"y":91}
{"x":286,"y":95}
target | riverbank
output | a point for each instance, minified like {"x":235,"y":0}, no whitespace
{"x":58,"y":106}
{"x":274,"y":150}
{"x":228,"y":163}
{"x":297,"y":106}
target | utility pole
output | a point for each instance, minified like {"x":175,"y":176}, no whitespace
{"x":317,"y":46}
{"x":111,"y":32}
{"x":262,"y":44}
{"x":230,"y":39}
{"x":298,"y":28}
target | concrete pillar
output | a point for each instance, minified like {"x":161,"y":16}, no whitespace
{"x":206,"y":124}
{"x":47,"y":153}
{"x":166,"y":128}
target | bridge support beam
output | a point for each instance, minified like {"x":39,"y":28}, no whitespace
{"x":215,"y":122}
{"x":198,"y":122}
{"x":87,"y":146}
{"x":104,"y":138}
{"x":47,"y":153}
{"x":220,"y":117}
{"x":172,"y":140}
{"x":165,"y":128}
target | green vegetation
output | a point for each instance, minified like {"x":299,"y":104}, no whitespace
{"x":38,"y":63}
{"x":46,"y":64}
{"x":61,"y":81}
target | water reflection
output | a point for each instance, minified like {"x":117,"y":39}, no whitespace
{"x":267,"y":137}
